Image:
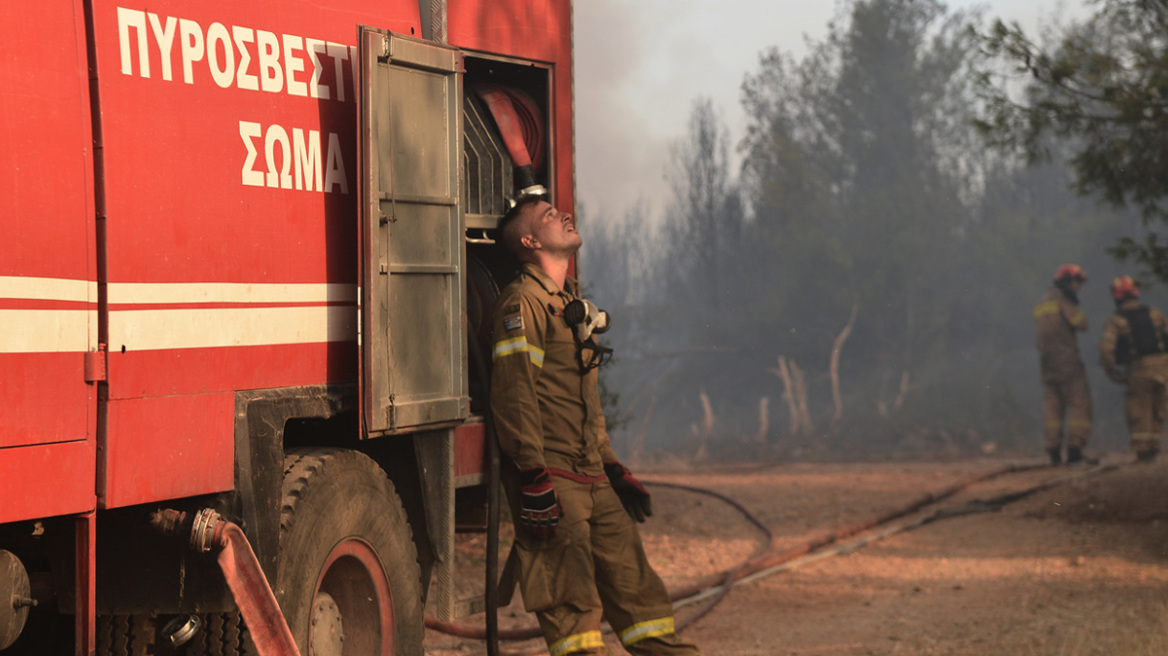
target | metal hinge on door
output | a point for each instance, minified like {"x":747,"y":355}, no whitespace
{"x":95,"y":364}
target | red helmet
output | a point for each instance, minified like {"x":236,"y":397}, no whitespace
{"x":1123,"y":288}
{"x":1071,"y":272}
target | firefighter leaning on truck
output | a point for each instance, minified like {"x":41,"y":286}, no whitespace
{"x":1133,"y":349}
{"x":1057,"y":319}
{"x":572,"y":501}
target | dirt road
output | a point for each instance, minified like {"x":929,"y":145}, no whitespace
{"x":1078,"y":568}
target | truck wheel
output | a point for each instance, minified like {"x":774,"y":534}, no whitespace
{"x":348,"y":579}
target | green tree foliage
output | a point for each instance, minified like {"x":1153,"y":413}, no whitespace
{"x":1103,"y":85}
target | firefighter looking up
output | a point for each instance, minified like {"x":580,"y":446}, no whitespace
{"x":1057,"y":318}
{"x":1132,"y":351}
{"x":572,"y":501}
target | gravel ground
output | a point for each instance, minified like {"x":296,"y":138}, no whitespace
{"x":1077,"y":568}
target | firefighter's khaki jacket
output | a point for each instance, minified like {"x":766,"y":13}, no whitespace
{"x":546,"y":412}
{"x":1118,"y":331}
{"x":1057,"y":318}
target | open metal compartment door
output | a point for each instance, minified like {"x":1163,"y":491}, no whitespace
{"x":413,"y":254}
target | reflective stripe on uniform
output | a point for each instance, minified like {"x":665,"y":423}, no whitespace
{"x":515,"y":346}
{"x":1046,"y":308}
{"x":1078,"y":423}
{"x":1078,"y":319}
{"x":580,"y":641}
{"x":649,"y":629}
{"x":1054,"y":424}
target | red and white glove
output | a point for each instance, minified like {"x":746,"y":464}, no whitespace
{"x":539,"y":506}
{"x":633,"y":495}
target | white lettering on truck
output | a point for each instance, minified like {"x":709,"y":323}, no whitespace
{"x":294,"y":65}
{"x":267,"y":62}
{"x":315,"y":48}
{"x":164,"y":37}
{"x":308,"y":164}
{"x":335,"y":171}
{"x":271,"y":77}
{"x":243,"y":79}
{"x":281,"y":60}
{"x":247,"y":132}
{"x":218,"y":39}
{"x":128,"y":18}
{"x":292,"y":164}
{"x":277,"y":135}
{"x":191,"y":36}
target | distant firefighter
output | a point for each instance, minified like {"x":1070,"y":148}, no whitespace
{"x":1132,"y":349}
{"x":1065,"y":393}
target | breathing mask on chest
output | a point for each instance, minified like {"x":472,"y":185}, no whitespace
{"x":587,"y":321}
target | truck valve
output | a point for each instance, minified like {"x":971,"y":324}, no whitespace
{"x":209,"y":531}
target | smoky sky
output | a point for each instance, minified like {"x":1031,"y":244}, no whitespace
{"x":640,"y":64}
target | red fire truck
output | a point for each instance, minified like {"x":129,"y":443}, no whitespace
{"x":245,"y":254}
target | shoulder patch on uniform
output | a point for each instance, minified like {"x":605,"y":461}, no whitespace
{"x":511,"y":309}
{"x":511,"y":324}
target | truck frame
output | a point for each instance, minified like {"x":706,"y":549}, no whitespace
{"x":245,"y":263}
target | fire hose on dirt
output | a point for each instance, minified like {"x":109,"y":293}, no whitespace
{"x":764,"y":563}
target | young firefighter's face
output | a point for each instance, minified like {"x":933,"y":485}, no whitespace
{"x":552,"y":231}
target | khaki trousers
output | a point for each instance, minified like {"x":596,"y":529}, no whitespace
{"x":1145,"y":402}
{"x":594,"y":566}
{"x":1066,"y":396}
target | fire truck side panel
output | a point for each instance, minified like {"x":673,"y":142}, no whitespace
{"x":161,"y":458}
{"x":285,"y":365}
{"x":48,"y":268}
{"x":181,"y":187}
{"x":229,"y":136}
{"x":46,"y":480}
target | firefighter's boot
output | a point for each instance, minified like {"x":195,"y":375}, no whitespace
{"x":1074,"y":455}
{"x":1056,"y":457}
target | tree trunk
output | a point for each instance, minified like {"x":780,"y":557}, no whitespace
{"x":835,"y":356}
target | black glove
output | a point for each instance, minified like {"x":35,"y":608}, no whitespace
{"x":540,"y":508}
{"x":632,"y":494}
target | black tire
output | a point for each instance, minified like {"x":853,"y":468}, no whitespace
{"x":347,"y":564}
{"x":125,"y":635}
{"x":222,"y":634}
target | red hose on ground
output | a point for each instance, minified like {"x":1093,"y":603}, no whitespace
{"x":766,"y":561}
{"x":727,"y":577}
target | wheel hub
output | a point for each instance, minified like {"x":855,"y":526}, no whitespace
{"x":15,"y":598}
{"x":328,"y":629}
{"x":352,"y":587}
